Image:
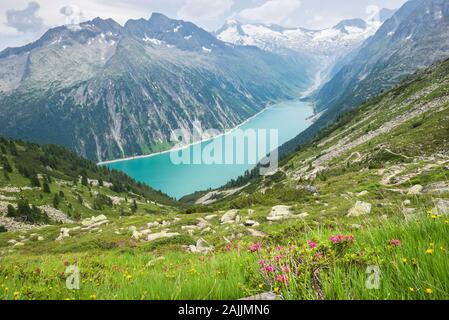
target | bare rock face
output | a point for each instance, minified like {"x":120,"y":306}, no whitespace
{"x":441,"y":207}
{"x":361,"y":208}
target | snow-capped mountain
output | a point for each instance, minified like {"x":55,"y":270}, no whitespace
{"x":416,"y":36}
{"x":331,"y":42}
{"x":108,"y":91}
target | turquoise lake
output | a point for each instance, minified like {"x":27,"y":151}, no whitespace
{"x":177,"y":180}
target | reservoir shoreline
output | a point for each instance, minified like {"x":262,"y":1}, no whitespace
{"x":178,"y":148}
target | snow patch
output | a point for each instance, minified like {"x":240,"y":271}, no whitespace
{"x":152,"y":40}
{"x":207,"y":50}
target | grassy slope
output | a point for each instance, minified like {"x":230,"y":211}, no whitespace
{"x":113,"y":265}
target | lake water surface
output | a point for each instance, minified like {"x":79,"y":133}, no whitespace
{"x":177,"y":180}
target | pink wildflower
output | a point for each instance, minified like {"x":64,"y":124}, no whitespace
{"x":318,"y":255}
{"x":285,"y":269}
{"x":255,"y":247}
{"x":395,"y":243}
{"x":269,"y":268}
{"x":282,"y":278}
{"x":312,"y":244}
{"x":278,"y":258}
{"x":339,"y":238}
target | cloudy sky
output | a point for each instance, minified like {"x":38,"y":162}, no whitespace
{"x":22,"y":21}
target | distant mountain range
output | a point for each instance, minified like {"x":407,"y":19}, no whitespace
{"x":324,"y":48}
{"x":108,"y":91}
{"x":415,"y":37}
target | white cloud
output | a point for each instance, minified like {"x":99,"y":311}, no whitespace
{"x":200,"y":11}
{"x":272,"y":11}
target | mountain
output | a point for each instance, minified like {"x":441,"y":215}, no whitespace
{"x":334,"y":41}
{"x":107,"y":91}
{"x":322,"y":48}
{"x":414,"y":37}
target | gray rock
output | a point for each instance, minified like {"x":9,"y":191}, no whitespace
{"x":441,"y":207}
{"x":415,"y":190}
{"x":360,"y":208}
{"x":229,"y":217}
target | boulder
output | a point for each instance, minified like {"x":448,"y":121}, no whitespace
{"x":210,"y":217}
{"x":256,"y":233}
{"x":136,"y":235}
{"x":360,"y":208}
{"x":63,"y":233}
{"x":229,"y":217}
{"x":441,"y":207}
{"x":250,"y":223}
{"x":362,"y":194}
{"x":163,"y":234}
{"x":153,"y":224}
{"x":415,"y":190}
{"x":94,"y":222}
{"x":202,"y":223}
{"x":201,"y":247}
{"x":279,"y":213}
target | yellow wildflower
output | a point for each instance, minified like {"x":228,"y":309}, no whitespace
{"x":428,"y":291}
{"x":404,"y":260}
{"x":411,"y":289}
{"x":260,"y":286}
{"x":429,"y":251}
{"x":93,"y":296}
{"x":277,"y":290}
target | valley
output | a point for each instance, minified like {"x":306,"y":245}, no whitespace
{"x":114,"y":187}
